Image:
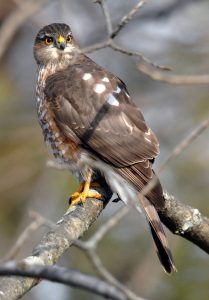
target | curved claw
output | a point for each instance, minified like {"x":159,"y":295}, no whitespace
{"x":80,"y":198}
{"x":84,"y":192}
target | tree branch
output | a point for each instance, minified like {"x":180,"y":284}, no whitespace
{"x":106,"y":13}
{"x":185,"y":221}
{"x":179,"y":218}
{"x":72,"y":226}
{"x":127,"y":18}
{"x":30,"y":268}
{"x":173,"y":79}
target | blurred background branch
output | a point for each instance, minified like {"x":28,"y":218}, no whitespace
{"x":174,"y":79}
{"x":23,"y":11}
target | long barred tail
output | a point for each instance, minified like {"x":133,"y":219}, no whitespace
{"x":158,"y":235}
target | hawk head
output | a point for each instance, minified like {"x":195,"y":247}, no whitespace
{"x":54,"y":43}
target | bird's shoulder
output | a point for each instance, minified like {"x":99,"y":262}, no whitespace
{"x":87,"y":78}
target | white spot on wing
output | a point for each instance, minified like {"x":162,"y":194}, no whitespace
{"x":112,"y":100}
{"x":148,"y":132}
{"x":87,"y":76}
{"x":127,"y":95}
{"x":99,"y":88}
{"x":147,"y":139}
{"x":105,"y":79}
{"x":118,"y":90}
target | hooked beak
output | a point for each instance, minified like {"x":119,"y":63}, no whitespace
{"x":61,"y":43}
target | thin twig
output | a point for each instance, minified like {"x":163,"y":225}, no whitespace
{"x":89,"y":249}
{"x":109,"y":43}
{"x":106,"y":13}
{"x":173,"y":79}
{"x":26,"y":235}
{"x":127,"y":18}
{"x":96,"y":47}
{"x":184,"y":144}
{"x":106,"y":275}
{"x":107,"y":226}
{"x":138,"y":54}
{"x":90,"y":246}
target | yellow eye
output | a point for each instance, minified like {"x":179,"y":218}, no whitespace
{"x":69,"y":39}
{"x":48,"y":40}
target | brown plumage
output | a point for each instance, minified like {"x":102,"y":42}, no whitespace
{"x":84,"y":110}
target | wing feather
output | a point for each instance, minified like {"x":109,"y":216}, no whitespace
{"x":116,"y":133}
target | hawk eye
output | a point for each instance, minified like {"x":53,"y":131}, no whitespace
{"x":48,"y":40}
{"x":69,"y":39}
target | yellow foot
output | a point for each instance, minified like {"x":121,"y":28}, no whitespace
{"x":80,"y":198}
{"x":84,"y":192}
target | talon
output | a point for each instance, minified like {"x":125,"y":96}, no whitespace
{"x":80,"y":198}
{"x":83,"y":192}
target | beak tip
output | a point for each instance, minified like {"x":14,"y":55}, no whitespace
{"x":62,"y":46}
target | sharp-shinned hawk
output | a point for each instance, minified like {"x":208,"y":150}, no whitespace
{"x":87,"y":115}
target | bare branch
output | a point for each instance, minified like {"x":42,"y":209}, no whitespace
{"x":173,"y":79}
{"x":109,"y":43}
{"x":179,"y":218}
{"x":89,"y":247}
{"x":185,"y":221}
{"x":96,"y":47}
{"x":106,"y":13}
{"x":72,"y":225}
{"x":127,"y":18}
{"x":129,"y":52}
{"x":106,"y":275}
{"x":58,"y":274}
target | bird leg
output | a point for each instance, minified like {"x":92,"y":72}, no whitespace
{"x":84,"y":191}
